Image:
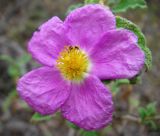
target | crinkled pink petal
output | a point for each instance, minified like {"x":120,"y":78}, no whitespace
{"x":89,"y":105}
{"x":48,"y":41}
{"x":44,"y":90}
{"x":117,"y":55}
{"x":88,"y":23}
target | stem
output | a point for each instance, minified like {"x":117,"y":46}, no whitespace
{"x":131,"y":118}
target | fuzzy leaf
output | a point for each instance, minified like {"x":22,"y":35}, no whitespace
{"x":124,"y":5}
{"x":124,"y":23}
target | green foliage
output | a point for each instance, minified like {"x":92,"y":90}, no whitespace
{"x":135,"y":80}
{"x":13,"y":69}
{"x":124,"y":5}
{"x":134,"y":102}
{"x":91,"y":1}
{"x":151,"y":108}
{"x":38,"y":117}
{"x":113,"y":1}
{"x":16,"y":67}
{"x":148,"y":111}
{"x":108,"y":129}
{"x":8,"y":101}
{"x":72,"y":125}
{"x":142,"y":112}
{"x":147,"y":115}
{"x":115,"y":85}
{"x":88,"y":133}
{"x":124,"y":23}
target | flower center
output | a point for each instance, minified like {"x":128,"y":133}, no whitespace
{"x":73,"y":63}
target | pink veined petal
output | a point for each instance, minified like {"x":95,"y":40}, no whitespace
{"x":117,"y":55}
{"x":88,"y":23}
{"x":44,"y":90}
{"x":48,"y":41}
{"x":89,"y":105}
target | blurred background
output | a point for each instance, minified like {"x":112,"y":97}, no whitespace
{"x":18,"y":20}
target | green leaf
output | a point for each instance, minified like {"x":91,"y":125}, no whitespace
{"x":13,"y":71}
{"x":122,"y":82}
{"x":9,"y":99}
{"x":114,"y":88}
{"x":38,"y":117}
{"x":22,"y":62}
{"x":124,"y":23}
{"x":72,"y":125}
{"x":134,"y":102}
{"x":91,"y":1}
{"x":148,"y":111}
{"x":117,"y":83}
{"x":6,"y":58}
{"x":151,"y":124}
{"x":124,"y":5}
{"x":24,"y":59}
{"x":151,"y":109}
{"x":135,"y":80}
{"x":143,"y":113}
{"x":108,"y":129}
{"x":16,"y":67}
{"x":88,"y":133}
{"x":113,"y":1}
{"x":147,"y":115}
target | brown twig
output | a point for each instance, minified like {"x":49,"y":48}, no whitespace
{"x":131,"y":118}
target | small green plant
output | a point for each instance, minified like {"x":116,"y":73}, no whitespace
{"x":148,"y":115}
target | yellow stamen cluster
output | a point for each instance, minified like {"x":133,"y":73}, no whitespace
{"x":73,"y":63}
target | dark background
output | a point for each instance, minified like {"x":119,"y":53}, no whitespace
{"x":18,"y":20}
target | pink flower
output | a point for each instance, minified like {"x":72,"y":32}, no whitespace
{"x":76,"y":55}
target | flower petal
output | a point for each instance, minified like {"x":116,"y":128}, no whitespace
{"x":87,"y":24}
{"x":44,"y":90}
{"x":89,"y":105}
{"x":117,"y":55}
{"x":47,"y":41}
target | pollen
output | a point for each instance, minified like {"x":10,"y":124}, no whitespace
{"x":73,"y":63}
